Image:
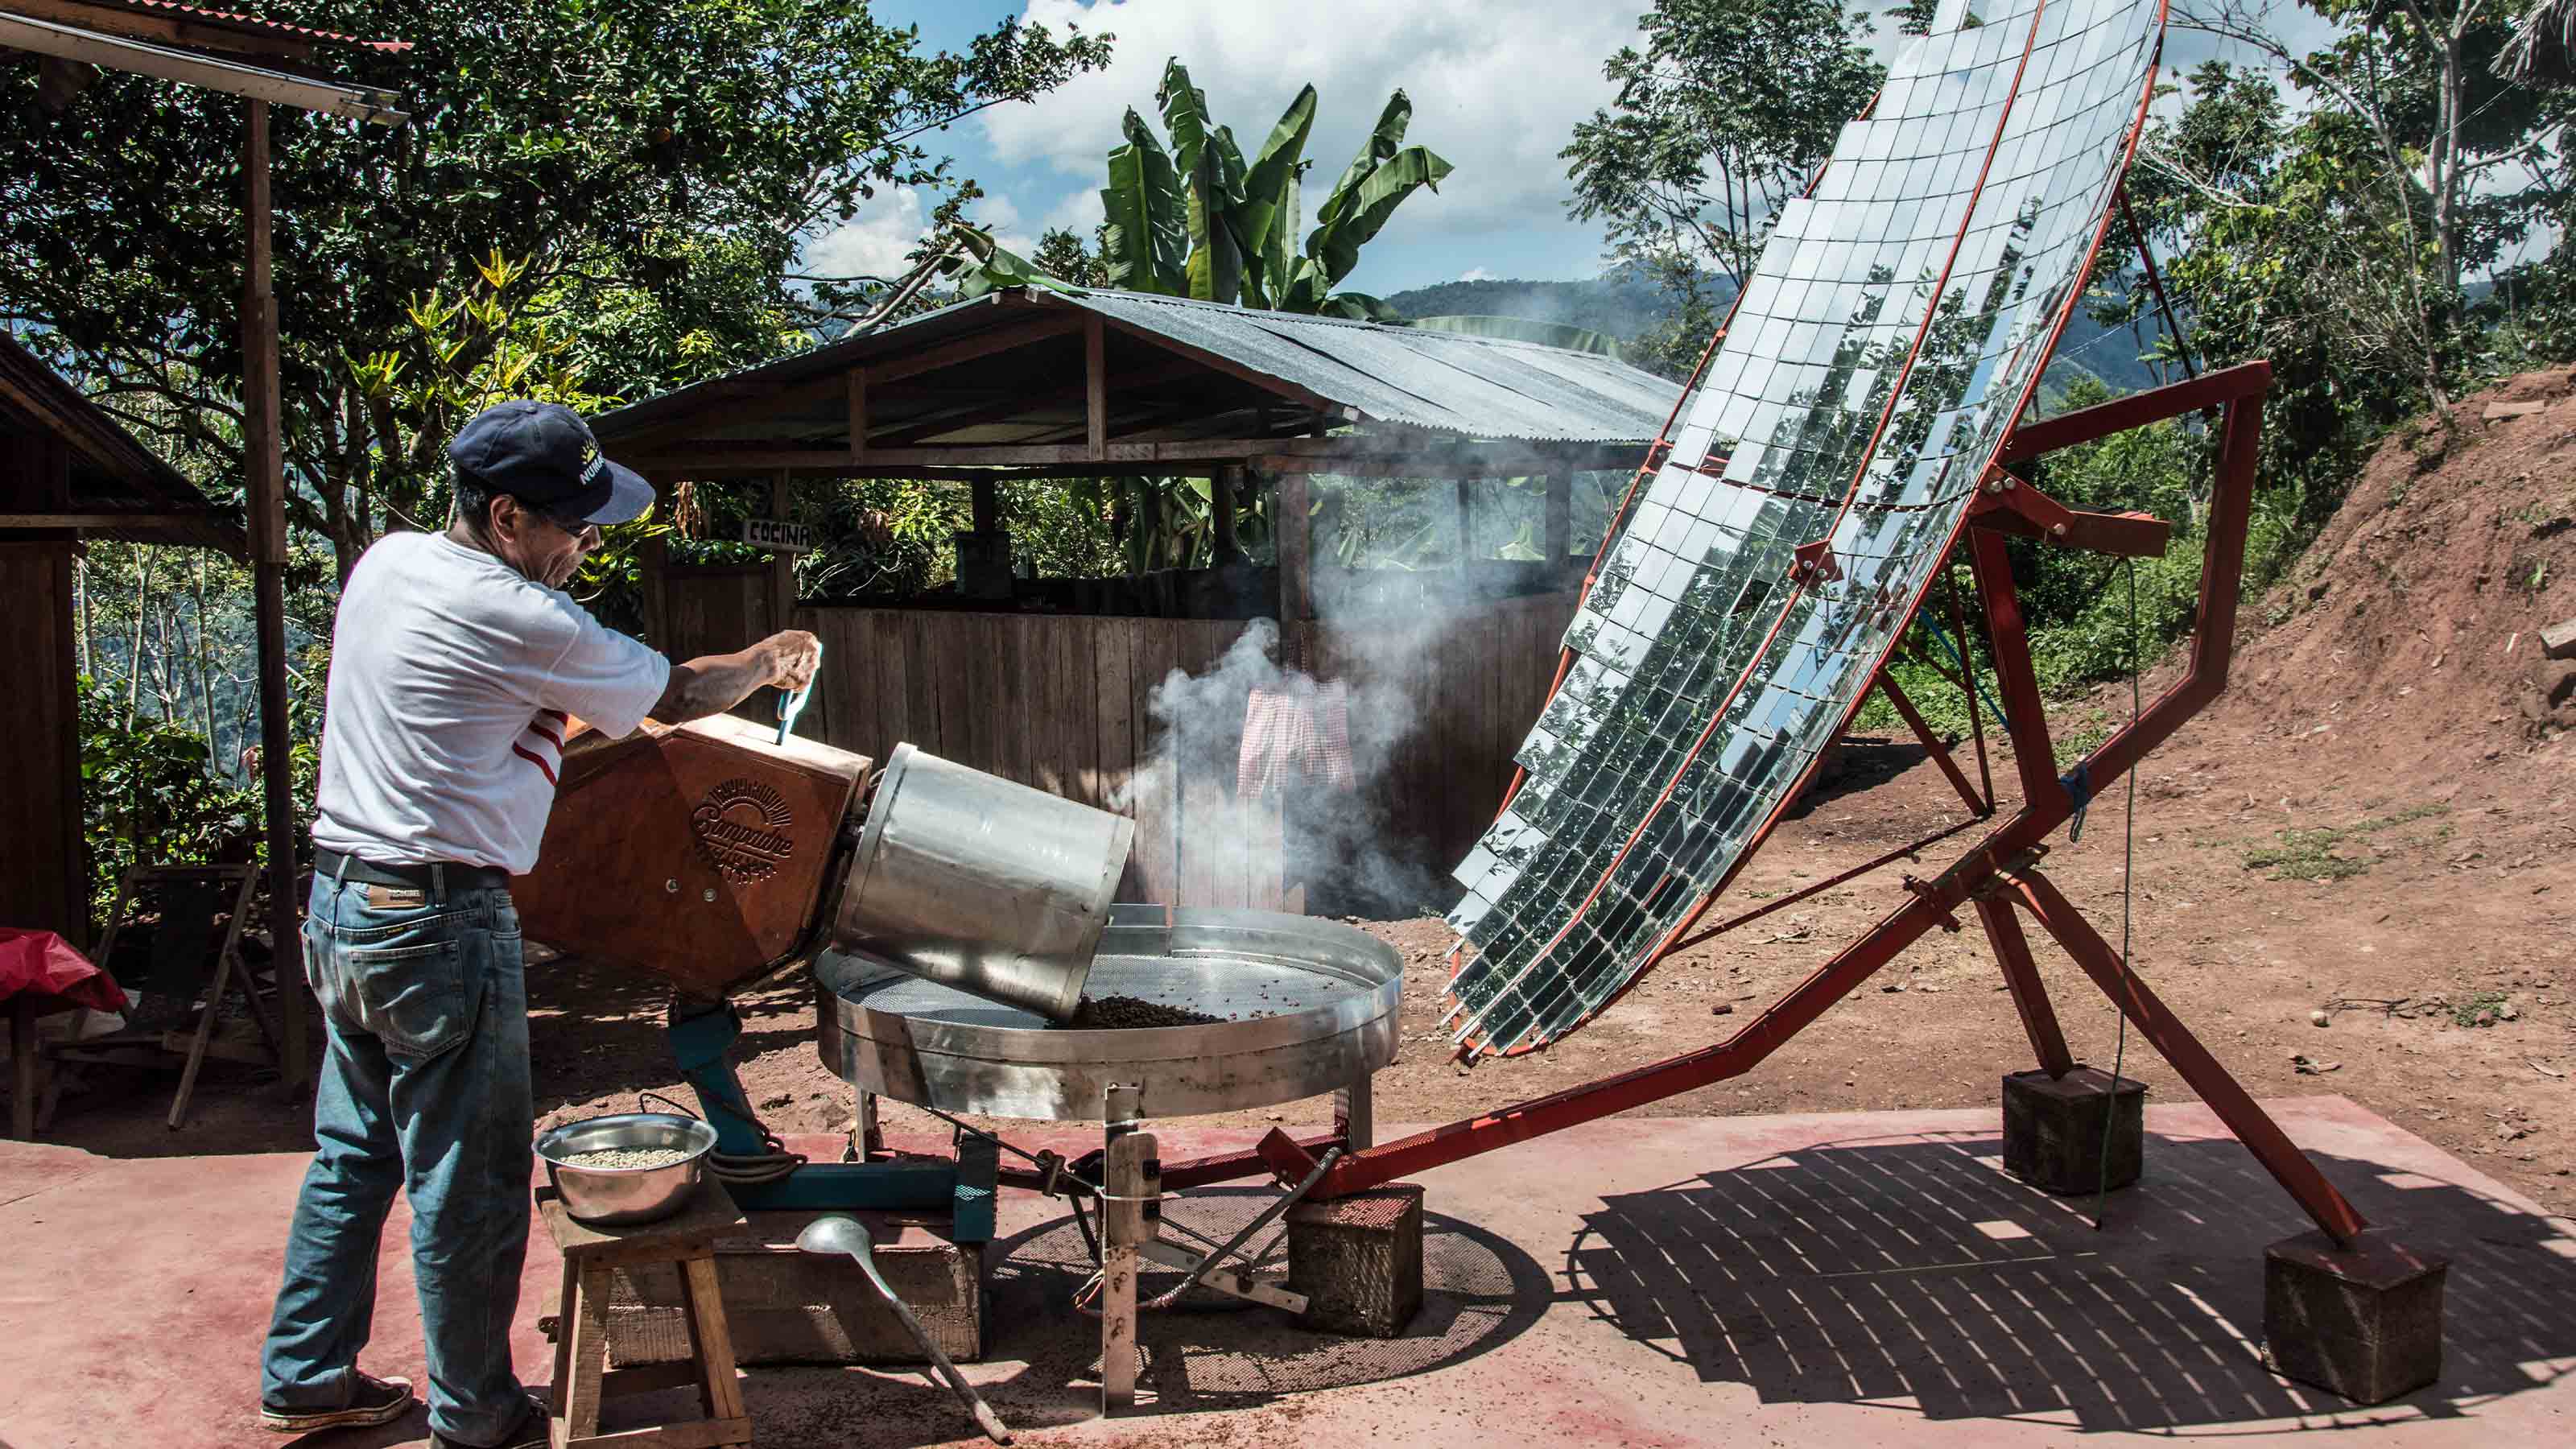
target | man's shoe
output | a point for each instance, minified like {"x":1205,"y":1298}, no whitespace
{"x":371,"y":1401}
{"x":528,"y":1433}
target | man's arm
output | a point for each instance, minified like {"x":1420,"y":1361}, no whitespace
{"x":714,"y":683}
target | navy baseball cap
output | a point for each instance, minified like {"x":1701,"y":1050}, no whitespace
{"x":543,"y":455}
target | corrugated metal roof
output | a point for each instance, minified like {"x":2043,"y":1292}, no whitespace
{"x":1446,"y":382}
{"x":235,"y":20}
{"x":1474,"y":387}
{"x":111,"y":472}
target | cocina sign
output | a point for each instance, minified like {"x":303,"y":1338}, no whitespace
{"x":778,"y":535}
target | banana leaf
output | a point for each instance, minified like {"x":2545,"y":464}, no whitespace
{"x":1267,"y":215}
{"x":1358,"y":307}
{"x":1216,"y":264}
{"x":988,"y":266}
{"x":1523,"y":329}
{"x":1383,"y":141}
{"x":1335,"y":244}
{"x":1144,"y":236}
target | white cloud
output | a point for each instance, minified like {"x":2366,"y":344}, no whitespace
{"x":874,"y":243}
{"x":1497,"y":86}
{"x":1476,"y":274}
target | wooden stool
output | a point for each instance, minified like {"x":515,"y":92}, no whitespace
{"x":591,"y":1257}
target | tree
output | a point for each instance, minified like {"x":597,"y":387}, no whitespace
{"x":1196,"y":219}
{"x":2407,"y":97}
{"x":658,"y":166}
{"x":1718,"y":122}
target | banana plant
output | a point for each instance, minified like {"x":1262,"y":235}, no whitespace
{"x":1198,"y":219}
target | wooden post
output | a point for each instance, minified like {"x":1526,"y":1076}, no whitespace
{"x":1095,"y":385}
{"x":1123,"y":1233}
{"x":858,"y":381}
{"x":265,"y":474}
{"x":988,"y":505}
{"x":1223,"y":489}
{"x":653,"y":564}
{"x":782,"y":564}
{"x":1296,"y":582}
{"x":1560,"y":519}
{"x":1466,"y":523}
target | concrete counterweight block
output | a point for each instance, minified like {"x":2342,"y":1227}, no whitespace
{"x":1358,"y":1260}
{"x":2054,"y":1126}
{"x":2363,"y":1320}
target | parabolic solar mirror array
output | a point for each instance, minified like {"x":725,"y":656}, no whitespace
{"x":1896,"y":324}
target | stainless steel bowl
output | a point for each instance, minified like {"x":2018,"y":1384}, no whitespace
{"x":612,"y":1197}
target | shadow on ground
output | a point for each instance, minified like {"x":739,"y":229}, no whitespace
{"x":1916,"y":1273}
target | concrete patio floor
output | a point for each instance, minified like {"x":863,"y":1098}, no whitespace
{"x":1820,"y":1279}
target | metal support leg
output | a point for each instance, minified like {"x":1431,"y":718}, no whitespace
{"x":1355,"y":1113}
{"x":2156,"y":1022}
{"x":867,"y":1139}
{"x":1129,"y":1182}
{"x":2030,"y":996}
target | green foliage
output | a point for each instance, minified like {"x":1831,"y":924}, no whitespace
{"x":1718,"y":122}
{"x":148,"y":796}
{"x":658,"y":167}
{"x":1197,"y":219}
{"x":2319,"y":853}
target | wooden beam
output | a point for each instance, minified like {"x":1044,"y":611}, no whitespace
{"x":988,"y":406}
{"x":782,"y":564}
{"x":1095,"y":378}
{"x":1223,"y":489}
{"x":158,"y":522}
{"x":1560,"y":517}
{"x":167,"y":29}
{"x":265,"y":467}
{"x":716,"y":461}
{"x":188,"y":68}
{"x":1288,"y":521}
{"x":1466,"y":519}
{"x":859,"y":422}
{"x":987,"y":505}
{"x":1365,"y":457}
{"x":982,"y":344}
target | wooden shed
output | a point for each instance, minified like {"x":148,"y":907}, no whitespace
{"x":1056,"y":687}
{"x":67,"y":472}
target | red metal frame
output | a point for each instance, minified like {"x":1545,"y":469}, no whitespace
{"x":1997,"y":873}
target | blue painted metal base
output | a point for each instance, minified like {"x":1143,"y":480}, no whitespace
{"x":702,"y":1038}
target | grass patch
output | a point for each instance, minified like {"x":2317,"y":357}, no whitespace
{"x":2312,"y":854}
{"x":2478,"y":1010}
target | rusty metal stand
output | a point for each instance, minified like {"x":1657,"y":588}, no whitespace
{"x":1998,"y":878}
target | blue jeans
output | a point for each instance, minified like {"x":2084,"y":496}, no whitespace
{"x":425,"y":1091}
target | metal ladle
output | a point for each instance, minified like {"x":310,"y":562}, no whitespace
{"x":837,"y":1234}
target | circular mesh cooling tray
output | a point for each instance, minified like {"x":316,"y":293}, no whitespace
{"x":1308,"y":1006}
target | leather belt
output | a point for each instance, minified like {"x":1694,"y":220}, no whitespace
{"x":331,"y":864}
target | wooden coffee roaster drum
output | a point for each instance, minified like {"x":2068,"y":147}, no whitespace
{"x":708,"y":854}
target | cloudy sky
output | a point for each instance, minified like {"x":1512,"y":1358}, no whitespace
{"x":1497,"y":86}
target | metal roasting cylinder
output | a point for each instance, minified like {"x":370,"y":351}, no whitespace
{"x":982,"y":884}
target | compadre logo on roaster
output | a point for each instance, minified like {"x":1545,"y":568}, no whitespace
{"x":741,"y":830}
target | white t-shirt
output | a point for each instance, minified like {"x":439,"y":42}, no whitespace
{"x":443,"y":720}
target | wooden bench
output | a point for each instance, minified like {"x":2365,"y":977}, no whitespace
{"x":591,"y":1257}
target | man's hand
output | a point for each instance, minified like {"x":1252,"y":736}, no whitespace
{"x":715,"y":683}
{"x":793,"y":657}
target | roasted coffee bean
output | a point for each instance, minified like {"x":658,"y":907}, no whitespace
{"x":1125,"y":1013}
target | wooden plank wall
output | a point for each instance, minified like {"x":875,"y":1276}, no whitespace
{"x":1060,"y":702}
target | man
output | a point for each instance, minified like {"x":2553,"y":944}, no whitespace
{"x":455,"y":661}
